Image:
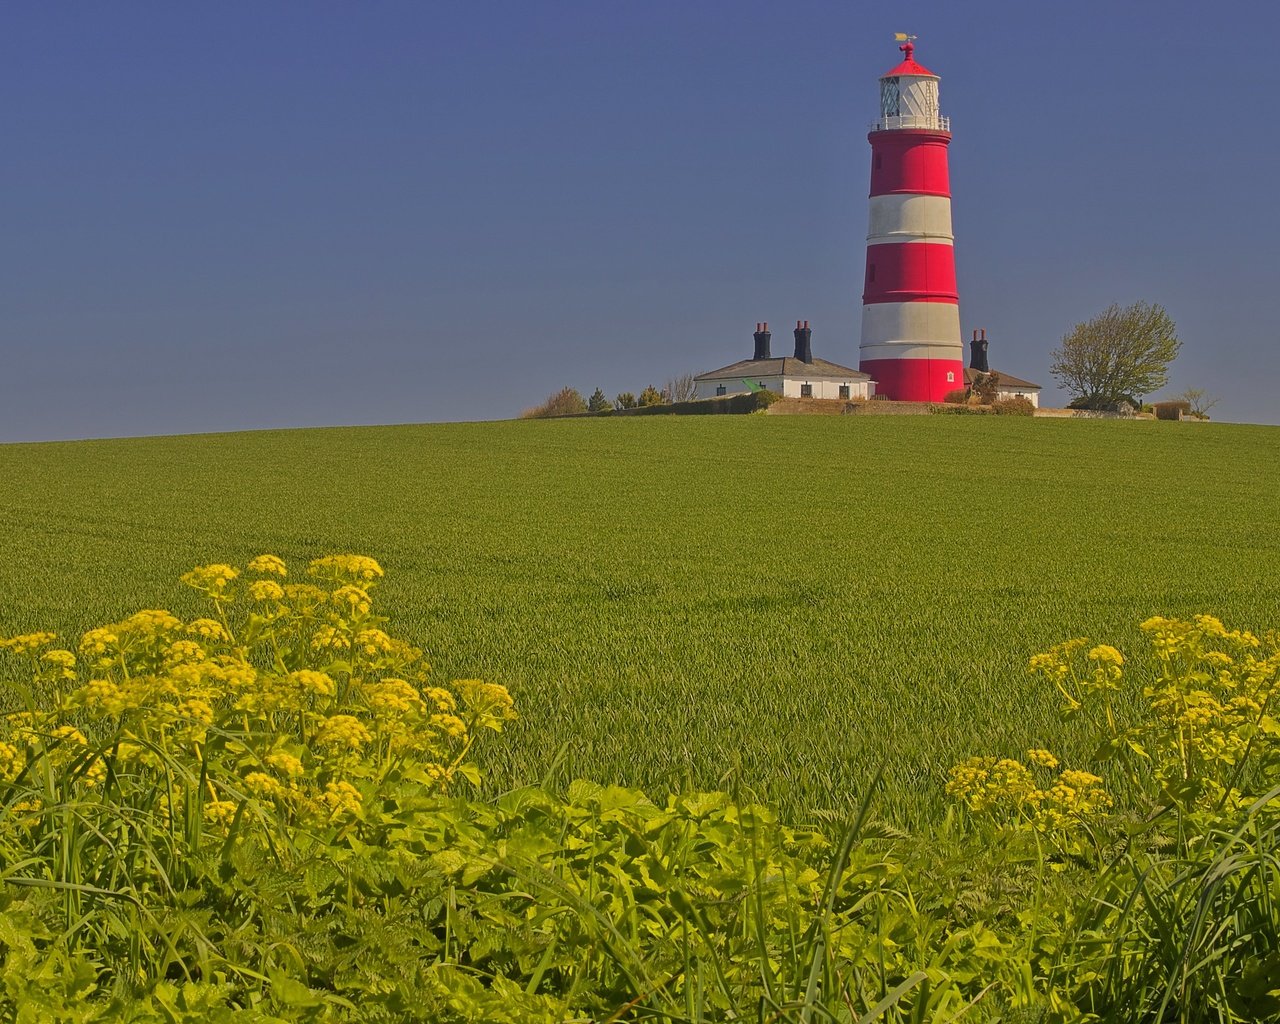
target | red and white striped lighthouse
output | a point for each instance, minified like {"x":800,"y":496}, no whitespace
{"x":911,"y":341}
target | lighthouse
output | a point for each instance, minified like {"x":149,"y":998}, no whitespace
{"x":911,"y":342}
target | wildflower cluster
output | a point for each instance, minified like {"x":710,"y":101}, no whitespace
{"x":1012,"y":791}
{"x":1205,"y":732}
{"x":290,"y":704}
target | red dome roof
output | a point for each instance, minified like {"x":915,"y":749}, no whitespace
{"x":908,"y":65}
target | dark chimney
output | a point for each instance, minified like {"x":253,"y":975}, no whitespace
{"x":804,"y":350}
{"x":762,"y":341}
{"x":978,"y":352}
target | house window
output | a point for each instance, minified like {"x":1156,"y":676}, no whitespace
{"x":806,"y":390}
{"x":720,"y":389}
{"x":951,"y":378}
{"x":844,"y":390}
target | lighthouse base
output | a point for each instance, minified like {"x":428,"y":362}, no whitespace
{"x":915,"y":380}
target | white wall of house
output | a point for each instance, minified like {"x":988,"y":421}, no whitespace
{"x":788,"y":387}
{"x":1031,"y":394}
{"x":793,"y":387}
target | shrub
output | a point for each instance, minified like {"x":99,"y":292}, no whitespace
{"x":957,"y":397}
{"x":650,"y":396}
{"x":986,"y":386}
{"x":565,"y":402}
{"x":1017,"y":405}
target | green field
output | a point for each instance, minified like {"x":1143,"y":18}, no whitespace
{"x":788,"y":601}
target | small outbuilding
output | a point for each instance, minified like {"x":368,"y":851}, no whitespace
{"x":796,"y":376}
{"x":1007,"y":385}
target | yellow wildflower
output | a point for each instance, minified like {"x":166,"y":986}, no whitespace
{"x":182,"y":652}
{"x":60,"y":658}
{"x":310,"y":681}
{"x":1042,"y":757}
{"x":220,"y":812}
{"x":266,"y":590}
{"x":268,"y":565}
{"x":441,"y":698}
{"x":394,"y":695}
{"x":1105,"y":654}
{"x":210,"y":629}
{"x":11,"y":762}
{"x":285,"y":763}
{"x":357,"y":567}
{"x":373,"y":642}
{"x":28,"y":642}
{"x":329,"y":637}
{"x":212,"y":579}
{"x":343,"y":731}
{"x":100,"y":695}
{"x":197,"y":710}
{"x":352,"y":599}
{"x":305,"y":595}
{"x":487,"y":698}
{"x":450,"y":725}
{"x":263,"y":785}
{"x":69,"y":734}
{"x":151,"y":622}
{"x":341,"y":799}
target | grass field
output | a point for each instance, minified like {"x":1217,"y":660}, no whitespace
{"x":671,"y":600}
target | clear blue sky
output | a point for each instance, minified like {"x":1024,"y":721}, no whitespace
{"x":241,"y":215}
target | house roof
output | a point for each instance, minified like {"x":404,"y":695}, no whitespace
{"x":786,"y":366}
{"x":1006,"y":379}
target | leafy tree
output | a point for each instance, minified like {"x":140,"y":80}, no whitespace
{"x":597,"y":402}
{"x":650,"y":396}
{"x":565,"y":402}
{"x":682,"y":388}
{"x":626,"y":400}
{"x":1118,"y":356}
{"x":1198,"y":402}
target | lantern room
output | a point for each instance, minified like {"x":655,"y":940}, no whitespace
{"x":909,"y":97}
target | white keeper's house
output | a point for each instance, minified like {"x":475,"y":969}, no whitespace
{"x":1007,"y":385}
{"x":797,"y":376}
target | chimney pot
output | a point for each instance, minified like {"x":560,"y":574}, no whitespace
{"x":804,"y":347}
{"x":762,"y":341}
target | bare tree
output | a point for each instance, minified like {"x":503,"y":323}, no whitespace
{"x":1117,"y":357}
{"x":682,"y":388}
{"x":1198,"y":402}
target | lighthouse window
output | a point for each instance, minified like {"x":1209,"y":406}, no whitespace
{"x":889,"y":98}
{"x":951,"y":378}
{"x":871,"y":273}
